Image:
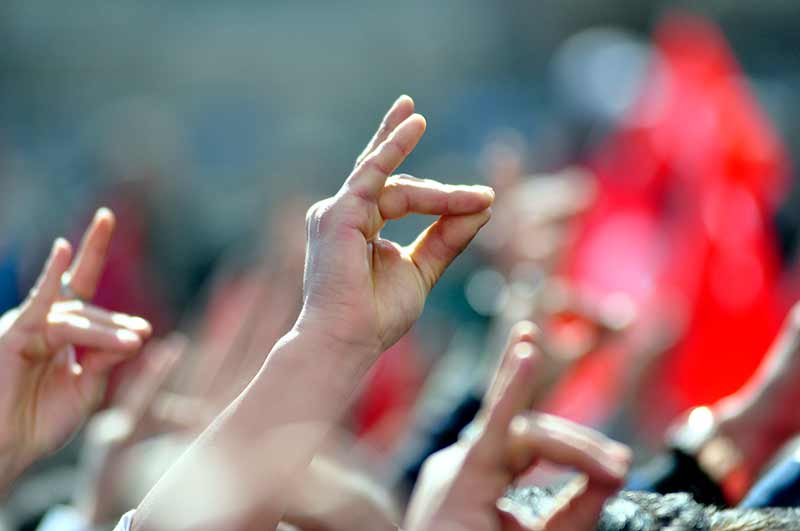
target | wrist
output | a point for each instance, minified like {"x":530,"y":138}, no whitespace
{"x":336,"y":337}
{"x":317,"y":358}
{"x":312,"y":376}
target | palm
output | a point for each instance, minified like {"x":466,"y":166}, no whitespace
{"x":56,"y":404}
{"x":399,"y":292}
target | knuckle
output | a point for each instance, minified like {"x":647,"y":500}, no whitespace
{"x":319,"y":218}
{"x":313,"y":213}
{"x":372,"y":163}
{"x":397,"y":146}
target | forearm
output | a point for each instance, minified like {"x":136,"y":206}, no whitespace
{"x":268,"y":434}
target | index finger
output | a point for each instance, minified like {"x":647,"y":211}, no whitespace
{"x":399,"y":111}
{"x":511,"y":400}
{"x":548,"y":438}
{"x":368,"y":177}
{"x":37,"y":305}
{"x":87,"y":267}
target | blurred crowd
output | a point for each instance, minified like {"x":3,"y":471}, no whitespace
{"x":637,"y":282}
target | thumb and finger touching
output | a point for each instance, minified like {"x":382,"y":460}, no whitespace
{"x":524,"y":438}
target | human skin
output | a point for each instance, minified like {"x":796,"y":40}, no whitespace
{"x":43,"y":398}
{"x":361,"y":293}
{"x":463,"y":487}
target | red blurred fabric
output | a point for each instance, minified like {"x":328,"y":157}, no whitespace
{"x":383,"y":410}
{"x":687,"y":189}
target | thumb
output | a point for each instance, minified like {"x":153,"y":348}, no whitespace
{"x":443,"y":241}
{"x":48,"y":287}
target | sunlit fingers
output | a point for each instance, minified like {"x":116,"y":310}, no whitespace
{"x":88,"y":265}
{"x":404,"y":194}
{"x":522,"y":332}
{"x":67,"y":328}
{"x":99,"y":315}
{"x":510,"y":402}
{"x":401,"y":109}
{"x":561,"y":442}
{"x":48,"y":286}
{"x":370,"y":174}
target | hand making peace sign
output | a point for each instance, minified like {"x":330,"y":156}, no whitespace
{"x":44,"y":394}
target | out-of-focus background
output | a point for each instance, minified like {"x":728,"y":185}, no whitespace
{"x":215,"y":111}
{"x":209,"y":127}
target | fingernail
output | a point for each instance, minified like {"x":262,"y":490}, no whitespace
{"x":525,"y":329}
{"x":485,"y":190}
{"x":616,"y":468}
{"x":127,"y":336}
{"x":102,"y":212}
{"x":130,"y":321}
{"x":60,"y":242}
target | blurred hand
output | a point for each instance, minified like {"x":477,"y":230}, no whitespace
{"x":366,"y":291}
{"x":333,"y":497}
{"x":134,"y":417}
{"x":462,"y":487}
{"x":361,"y":293}
{"x":761,"y":417}
{"x":45,"y":396}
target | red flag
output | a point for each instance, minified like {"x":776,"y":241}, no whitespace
{"x":687,"y":190}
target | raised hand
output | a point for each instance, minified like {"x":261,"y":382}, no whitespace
{"x":461,"y":488}
{"x":135,"y":416}
{"x":361,"y":293}
{"x":44,"y":395}
{"x":365,"y":290}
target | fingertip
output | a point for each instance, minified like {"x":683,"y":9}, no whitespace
{"x":478,"y":219}
{"x":61,"y":253}
{"x":621,"y":452}
{"x":418,"y":120}
{"x":61,"y":245}
{"x":404,"y":101}
{"x":486,"y":191}
{"x":142,"y":326}
{"x":104,"y":216}
{"x":128,"y":338}
{"x":525,"y":331}
{"x":615,"y":470}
